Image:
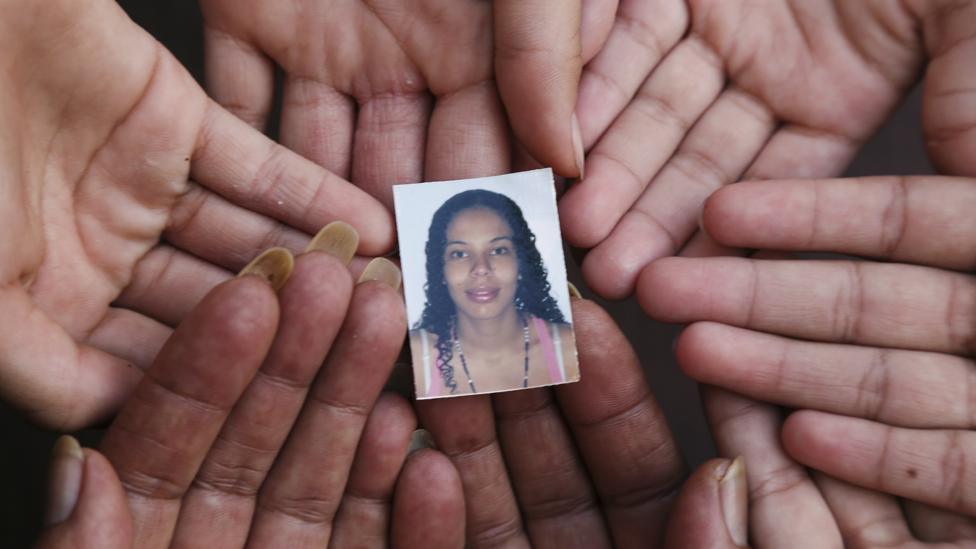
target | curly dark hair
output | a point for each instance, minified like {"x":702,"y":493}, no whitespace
{"x":532,"y":297}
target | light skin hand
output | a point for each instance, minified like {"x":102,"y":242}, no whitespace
{"x":199,"y":456}
{"x":386,"y":92}
{"x":128,"y":195}
{"x":704,"y":93}
{"x":878,"y":355}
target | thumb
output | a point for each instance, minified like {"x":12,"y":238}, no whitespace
{"x":87,"y":507}
{"x":538,"y":65}
{"x":712,"y":508}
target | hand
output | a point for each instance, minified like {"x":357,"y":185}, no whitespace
{"x":685,"y":98}
{"x":103,"y":131}
{"x":235,"y":437}
{"x":588,"y":464}
{"x":878,"y":355}
{"x":390,"y":92}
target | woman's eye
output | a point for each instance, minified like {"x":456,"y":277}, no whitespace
{"x":457,"y":254}
{"x":501,"y":250}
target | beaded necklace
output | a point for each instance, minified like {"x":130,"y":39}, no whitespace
{"x":464,"y":362}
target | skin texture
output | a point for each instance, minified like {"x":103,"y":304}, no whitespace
{"x":388,"y":92}
{"x":198,"y":455}
{"x":127,"y":194}
{"x":480,"y":257}
{"x":878,"y":356}
{"x":715,"y":91}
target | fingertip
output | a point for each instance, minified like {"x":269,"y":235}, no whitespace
{"x":805,"y":431}
{"x":429,"y":508}
{"x":655,"y":287}
{"x":610,"y":274}
{"x":376,"y":228}
{"x":699,"y":518}
{"x":538,"y":66}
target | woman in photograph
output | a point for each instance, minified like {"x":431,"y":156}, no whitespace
{"x":489,"y":323}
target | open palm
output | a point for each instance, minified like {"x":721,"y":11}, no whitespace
{"x":103,"y":131}
{"x":688,"y":96}
{"x":393,"y":91}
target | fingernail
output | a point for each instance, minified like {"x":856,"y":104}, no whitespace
{"x":338,"y":239}
{"x":574,"y":291}
{"x":383,"y":270}
{"x":419,"y":440}
{"x":67,"y":462}
{"x":274,"y":266}
{"x":578,"y":147}
{"x":735,"y":500}
{"x":701,"y":220}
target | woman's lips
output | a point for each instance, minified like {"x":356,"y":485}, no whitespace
{"x":482,"y":295}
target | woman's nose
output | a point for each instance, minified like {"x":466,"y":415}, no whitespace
{"x":482,"y":265}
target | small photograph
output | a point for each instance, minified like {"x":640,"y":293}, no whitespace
{"x":485,"y":284}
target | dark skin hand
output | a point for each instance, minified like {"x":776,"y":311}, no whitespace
{"x":235,"y":437}
{"x":587,"y":464}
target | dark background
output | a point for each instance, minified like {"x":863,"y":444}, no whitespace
{"x":897,"y":149}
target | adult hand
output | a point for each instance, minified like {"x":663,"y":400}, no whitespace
{"x":103,"y":131}
{"x":236,"y":437}
{"x":688,"y":96}
{"x":390,"y":92}
{"x":587,"y":464}
{"x":879,"y":356}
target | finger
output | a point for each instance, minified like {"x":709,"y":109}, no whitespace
{"x":365,"y":513}
{"x":468,"y":136}
{"x":52,"y":379}
{"x":391,"y":133}
{"x":949,"y":97}
{"x":865,"y":518}
{"x":167,"y":284}
{"x":641,"y":140}
{"x":87,"y":506}
{"x":428,"y":507}
{"x":926,"y":220}
{"x":715,"y":152}
{"x":163,"y":433}
{"x":904,"y":388}
{"x":313,"y":304}
{"x":239,"y":77}
{"x":778,"y":486}
{"x":130,"y":336}
{"x":882,"y":304}
{"x":934,"y":525}
{"x":701,"y":245}
{"x":317,"y":122}
{"x":299,"y":499}
{"x":929,"y":466}
{"x":643,"y":32}
{"x":253,"y":172}
{"x":537,"y":67}
{"x":596,"y":22}
{"x":212,"y":228}
{"x":621,"y":433}
{"x":712,"y":508}
{"x":557,"y":502}
{"x":801,"y":152}
{"x":464,"y":430}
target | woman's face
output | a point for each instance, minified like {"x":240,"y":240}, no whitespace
{"x":480,"y":263}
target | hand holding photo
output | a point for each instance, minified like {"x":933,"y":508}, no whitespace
{"x":485,"y":284}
